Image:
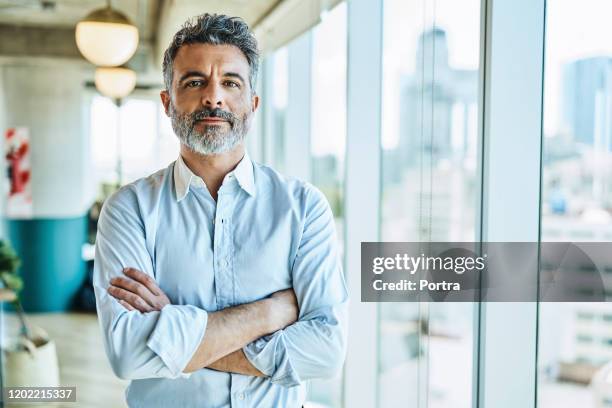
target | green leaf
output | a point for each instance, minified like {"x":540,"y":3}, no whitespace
{"x":9,"y":261}
{"x":12,"y":281}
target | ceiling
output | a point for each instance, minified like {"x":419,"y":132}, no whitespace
{"x":66,"y":13}
{"x":153,"y":17}
{"x":46,"y":27}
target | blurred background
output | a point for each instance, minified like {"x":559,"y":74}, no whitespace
{"x":80,"y":116}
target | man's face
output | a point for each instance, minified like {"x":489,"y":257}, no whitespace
{"x":210,"y":102}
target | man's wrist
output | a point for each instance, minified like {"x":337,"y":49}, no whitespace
{"x":281,"y":310}
{"x":270,"y":316}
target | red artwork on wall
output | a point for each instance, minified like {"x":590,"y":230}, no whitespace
{"x":17,"y":155}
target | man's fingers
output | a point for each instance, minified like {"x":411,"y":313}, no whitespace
{"x":132,"y":299}
{"x":140,"y":285}
{"x":134,"y":287}
{"x":126,"y":305}
{"x":144,"y":279}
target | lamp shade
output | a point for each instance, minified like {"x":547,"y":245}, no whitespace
{"x":106,"y":37}
{"x":115,"y":82}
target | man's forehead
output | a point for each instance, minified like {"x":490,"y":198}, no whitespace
{"x":199,"y":56}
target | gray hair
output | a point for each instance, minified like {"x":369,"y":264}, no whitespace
{"x":215,"y":29}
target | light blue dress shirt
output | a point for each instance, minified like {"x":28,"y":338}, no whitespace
{"x":264,"y":233}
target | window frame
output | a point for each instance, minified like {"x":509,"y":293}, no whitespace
{"x":362,"y":193}
{"x":510,"y":211}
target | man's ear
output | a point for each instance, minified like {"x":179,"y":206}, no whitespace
{"x":165,"y":98}
{"x":255,"y":102}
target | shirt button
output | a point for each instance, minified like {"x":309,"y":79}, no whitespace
{"x":225,"y":263}
{"x":241,"y":396}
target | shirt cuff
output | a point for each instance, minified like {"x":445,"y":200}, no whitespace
{"x":269,"y":355}
{"x":177,"y":335}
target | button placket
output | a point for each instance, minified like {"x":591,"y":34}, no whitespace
{"x":238,"y":390}
{"x":222,"y":251}
{"x":218,"y":253}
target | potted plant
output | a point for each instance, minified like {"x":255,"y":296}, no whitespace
{"x":30,"y":359}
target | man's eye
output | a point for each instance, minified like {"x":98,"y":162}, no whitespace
{"x":193,"y":84}
{"x":231,"y":84}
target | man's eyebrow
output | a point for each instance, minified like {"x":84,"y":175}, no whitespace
{"x":191,"y":74}
{"x":234,"y":75}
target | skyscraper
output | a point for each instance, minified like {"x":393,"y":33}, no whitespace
{"x":436,"y":102}
{"x":586,"y":101}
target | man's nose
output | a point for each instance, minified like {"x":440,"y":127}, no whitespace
{"x":212,"y":96}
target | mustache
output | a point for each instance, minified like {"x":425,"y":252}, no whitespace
{"x":213,"y":113}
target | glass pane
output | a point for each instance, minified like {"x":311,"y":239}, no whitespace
{"x":276,"y":109}
{"x":328,"y":138}
{"x":429,"y":141}
{"x":575,"y":339}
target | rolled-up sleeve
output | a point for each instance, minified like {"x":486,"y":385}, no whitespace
{"x":314,"y":346}
{"x":138,"y":345}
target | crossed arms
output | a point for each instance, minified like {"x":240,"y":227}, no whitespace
{"x":269,"y":337}
{"x":227,"y":331}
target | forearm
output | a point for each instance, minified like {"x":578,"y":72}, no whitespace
{"x":231,"y":329}
{"x":236,"y":362}
{"x":305,"y":350}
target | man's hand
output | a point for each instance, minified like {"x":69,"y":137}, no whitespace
{"x":137,"y":291}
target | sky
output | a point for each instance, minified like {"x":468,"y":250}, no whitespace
{"x":574,"y":29}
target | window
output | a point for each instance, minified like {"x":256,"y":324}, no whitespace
{"x":145,"y":142}
{"x":328,"y":135}
{"x":327,"y":141}
{"x":275,"y":98}
{"x":429,"y":180}
{"x":577,"y":195}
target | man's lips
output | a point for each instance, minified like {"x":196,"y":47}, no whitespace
{"x":212,"y":120}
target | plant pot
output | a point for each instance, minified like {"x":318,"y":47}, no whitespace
{"x":36,"y":366}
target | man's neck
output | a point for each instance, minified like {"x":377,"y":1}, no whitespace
{"x":212,"y":168}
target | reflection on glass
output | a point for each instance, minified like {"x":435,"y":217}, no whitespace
{"x":575,"y":339}
{"x":328,"y":138}
{"x":429,"y":141}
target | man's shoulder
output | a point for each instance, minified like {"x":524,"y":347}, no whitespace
{"x":293,"y":188}
{"x":139,"y":192}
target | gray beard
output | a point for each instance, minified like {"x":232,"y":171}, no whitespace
{"x":213,"y":139}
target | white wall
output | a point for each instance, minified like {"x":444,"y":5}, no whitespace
{"x":47,"y":97}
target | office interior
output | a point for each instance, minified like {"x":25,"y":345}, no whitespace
{"x":420,"y":120}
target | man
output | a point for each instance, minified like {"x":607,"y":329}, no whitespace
{"x":217,"y":280}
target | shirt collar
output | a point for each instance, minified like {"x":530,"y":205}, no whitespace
{"x":244,"y":174}
{"x":184,"y":177}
